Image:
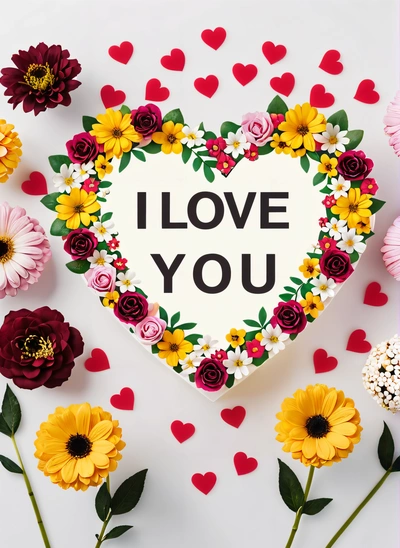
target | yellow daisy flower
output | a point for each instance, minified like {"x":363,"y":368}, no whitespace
{"x":116,"y":132}
{"x":310,"y":268}
{"x":279,"y":145}
{"x":363,"y":226}
{"x":110,"y":299}
{"x":170,"y":138}
{"x":10,"y":150}
{"x":102,"y":166}
{"x":173,"y":347}
{"x":77,"y":207}
{"x":328,"y":165}
{"x":299,"y":125}
{"x":312,"y":304}
{"x":236,"y":337}
{"x":353,"y":207}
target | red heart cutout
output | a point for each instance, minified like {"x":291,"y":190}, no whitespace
{"x":244,"y":73}
{"x":214,"y":38}
{"x":366,"y":93}
{"x":234,"y":417}
{"x":125,"y":400}
{"x":374,"y":296}
{"x":244,"y":464}
{"x":273,"y":53}
{"x":121,"y":53}
{"x":112,"y":97}
{"x":98,"y":361}
{"x":284,"y":84}
{"x":36,"y":185}
{"x":322,"y":362}
{"x":155,"y":92}
{"x":204,"y":482}
{"x":207,"y":86}
{"x":357,"y":342}
{"x":330,"y":62}
{"x":182,"y":431}
{"x":320,"y":98}
{"x":175,"y":61}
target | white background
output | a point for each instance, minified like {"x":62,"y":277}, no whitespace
{"x":240,"y":511}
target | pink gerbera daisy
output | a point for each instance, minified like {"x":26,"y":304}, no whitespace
{"x":391,"y":249}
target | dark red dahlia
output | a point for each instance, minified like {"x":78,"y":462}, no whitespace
{"x":43,"y":79}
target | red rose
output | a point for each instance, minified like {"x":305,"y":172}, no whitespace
{"x":131,"y":308}
{"x":80,"y":244}
{"x":211,"y":375}
{"x":147,"y":120}
{"x":336,"y":264}
{"x":83,"y":148}
{"x":353,"y":165}
{"x":290,"y":317}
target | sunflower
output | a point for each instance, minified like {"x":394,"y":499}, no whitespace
{"x":310,"y":268}
{"x":328,"y":165}
{"x":78,"y":446}
{"x":312,"y":304}
{"x":299,"y":125}
{"x":173,"y":347}
{"x":170,"y":138}
{"x":76,"y":208}
{"x":10,"y":150}
{"x":319,"y":425}
{"x":116,"y":132}
{"x":353,"y":207}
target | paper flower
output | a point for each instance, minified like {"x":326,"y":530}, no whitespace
{"x":299,"y":126}
{"x":391,"y":249}
{"x":10,"y":150}
{"x":225,"y":163}
{"x":279,"y":145}
{"x":392,"y":123}
{"x":328,"y":165}
{"x":115,"y":132}
{"x":332,"y":139}
{"x":190,"y":363}
{"x":132,"y":308}
{"x":290,"y":317}
{"x":369,"y":186}
{"x":103,"y":230}
{"x":254,"y":348}
{"x":170,"y":138}
{"x":352,"y":207}
{"x":174,"y":347}
{"x":350,"y":242}
{"x":236,"y":143}
{"x":205,"y":345}
{"x":215,"y":146}
{"x":43,"y":78}
{"x":251,"y":153}
{"x":100,"y":258}
{"x":210,"y":375}
{"x":82,"y":172}
{"x":110,"y":300}
{"x":64,"y":181}
{"x":237,"y":363}
{"x":353,"y":165}
{"x":335,"y":228}
{"x":77,"y":208}
{"x":381,"y":374}
{"x":83,"y":148}
{"x":102,"y":166}
{"x":336,"y":264}
{"x":339,"y":187}
{"x":236,"y":337}
{"x":126,"y":281}
{"x":273,"y":339}
{"x":257,"y":127}
{"x":150,"y":330}
{"x":101,"y":278}
{"x":323,"y":287}
{"x":80,"y":244}
{"x":146,"y":120}
{"x":193,"y":137}
{"x":312,"y":304}
{"x":310,"y":268}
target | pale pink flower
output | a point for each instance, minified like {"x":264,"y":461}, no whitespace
{"x":392,"y":123}
{"x":391,"y":249}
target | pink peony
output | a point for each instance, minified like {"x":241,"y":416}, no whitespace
{"x":391,"y":249}
{"x":101,"y":279}
{"x":257,"y":127}
{"x":150,"y":330}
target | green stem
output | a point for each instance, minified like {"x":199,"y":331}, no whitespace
{"x":106,"y":521}
{"x":32,"y":496}
{"x":359,"y":508}
{"x":299,"y":512}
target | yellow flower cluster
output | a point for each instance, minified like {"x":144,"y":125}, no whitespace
{"x":298,"y":128}
{"x":10,"y":150}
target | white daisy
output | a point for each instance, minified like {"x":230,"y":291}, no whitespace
{"x":237,"y":363}
{"x":273,"y":339}
{"x":102,"y":231}
{"x":83,"y":172}
{"x":206,"y":345}
{"x":190,"y":363}
{"x":335,"y":227}
{"x":236,"y":143}
{"x":332,"y":139}
{"x":101,"y":258}
{"x":339,"y":187}
{"x":127,"y":281}
{"x":323,"y":287}
{"x":64,"y":180}
{"x":193,"y":137}
{"x":350,"y":242}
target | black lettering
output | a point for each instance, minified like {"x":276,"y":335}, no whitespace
{"x":168,"y":273}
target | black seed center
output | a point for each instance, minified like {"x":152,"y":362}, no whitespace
{"x":317,"y":426}
{"x":79,"y":446}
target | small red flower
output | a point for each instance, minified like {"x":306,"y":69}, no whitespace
{"x":254,"y":349}
{"x":225,"y":163}
{"x":120,"y":264}
{"x":322,"y":221}
{"x":220,"y":355}
{"x":329,"y":201}
{"x":215,"y":146}
{"x":327,"y":243}
{"x":369,"y":186}
{"x":252,"y":153}
{"x":113,"y":244}
{"x":277,"y":119}
{"x":90,"y":185}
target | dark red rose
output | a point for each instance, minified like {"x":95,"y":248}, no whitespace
{"x":290,"y":317}
{"x":336,"y":264}
{"x":211,"y":375}
{"x":80,"y":244}
{"x":83,"y":148}
{"x":38,"y":348}
{"x":147,"y":120}
{"x":131,"y":308}
{"x":353,"y":165}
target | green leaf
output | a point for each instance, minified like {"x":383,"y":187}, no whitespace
{"x":78,"y":267}
{"x":230,"y":382}
{"x":57,"y":161}
{"x":277,"y":106}
{"x":117,"y":531}
{"x":197,"y":163}
{"x":175,"y":116}
{"x":4,"y":429}
{"x":289,"y":289}
{"x":139,"y":155}
{"x":59,"y":228}
{"x":228,"y":127}
{"x":386,"y":448}
{"x":296,"y":281}
{"x":315,"y":506}
{"x":292,"y":336}
{"x":50,"y":200}
{"x":396,"y":465}
{"x":208,"y":173}
{"x":318,"y":178}
{"x":376,"y":205}
{"x":305,"y":163}
{"x":175,"y":319}
{"x":87,"y":122}
{"x":339,"y":118}
{"x":152,"y":148}
{"x":355,"y":137}
{"x":188,"y":325}
{"x":163,"y":314}
{"x":101,"y":199}
{"x":209,"y":135}
{"x":193,"y":338}
{"x":201,"y":126}
{"x":186,"y":154}
{"x":106,"y":217}
{"x":203,"y":153}
{"x":251,"y":323}
{"x":286,"y":297}
{"x":11,"y":410}
{"x":128,"y":494}
{"x":289,"y":487}
{"x":155,"y":349}
{"x":262,"y":316}
{"x":105,"y":184}
{"x":313,"y":155}
{"x":126,"y":158}
{"x":103,"y":502}
{"x":125,"y":110}
{"x":266,"y":149}
{"x":10,"y":465}
{"x":259,"y":361}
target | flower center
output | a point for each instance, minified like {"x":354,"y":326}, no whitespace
{"x":236,"y":144}
{"x":126,"y":282}
{"x":36,"y":347}
{"x":317,"y":426}
{"x":100,"y":261}
{"x":6,"y":249}
{"x":323,"y":287}
{"x":189,"y":364}
{"x":215,"y":148}
{"x":205,"y":347}
{"x":103,"y":166}
{"x":102,"y":230}
{"x":353,"y":208}
{"x":68,"y":181}
{"x":192,"y":136}
{"x":78,"y":208}
{"x":226,"y":165}
{"x":79,"y":446}
{"x":171,"y":138}
{"x":333,"y":140}
{"x":274,"y":339}
{"x":311,"y":306}
{"x":303,"y":130}
{"x":281,"y":144}
{"x":234,"y":337}
{"x":252,"y":154}
{"x":174,"y":347}
{"x":350,"y":243}
{"x":254,"y":349}
{"x":339,"y":187}
{"x":328,"y":167}
{"x":117,"y":133}
{"x":310,"y":269}
{"x":238,"y":363}
{"x":39,"y":77}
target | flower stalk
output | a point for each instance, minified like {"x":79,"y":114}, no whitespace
{"x":299,"y":512}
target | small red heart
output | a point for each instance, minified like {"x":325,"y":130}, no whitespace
{"x":182,"y":431}
{"x":207,"y":86}
{"x":155,"y":92}
{"x":357,"y":342}
{"x":112,"y":97}
{"x":175,"y":61}
{"x":244,"y":464}
{"x":321,"y":98}
{"x":374,"y":296}
{"x":214,"y":38}
{"x":284,"y":84}
{"x":322,"y":362}
{"x":204,"y":482}
{"x":244,"y":73}
{"x":330,"y":62}
{"x":121,"y":53}
{"x":36,"y":185}
{"x":366,"y":93}
{"x":125,"y":400}
{"x":98,"y":361}
{"x":234,"y":417}
{"x":273,"y":53}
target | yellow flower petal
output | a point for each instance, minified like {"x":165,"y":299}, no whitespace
{"x":309,"y":447}
{"x":101,"y":431}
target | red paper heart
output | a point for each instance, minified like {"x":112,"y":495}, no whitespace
{"x":273,"y":53}
{"x":175,"y":61}
{"x":214,"y":38}
{"x":322,"y":362}
{"x":182,"y":431}
{"x":366,"y":93}
{"x":125,"y":400}
{"x":374,"y":296}
{"x":244,"y":73}
{"x":121,"y":53}
{"x":112,"y":97}
{"x":155,"y":92}
{"x":36,"y":185}
{"x":284,"y":84}
{"x":244,"y":464}
{"x":207,"y":86}
{"x":98,"y":361}
{"x":234,"y":416}
{"x":204,"y":482}
{"x":330,"y":62}
{"x":357,"y":342}
{"x":321,"y":98}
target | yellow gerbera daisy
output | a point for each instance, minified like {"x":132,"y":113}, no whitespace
{"x":353,"y":207}
{"x":319,"y":425}
{"x":312,"y":304}
{"x":310,"y":268}
{"x":299,"y":125}
{"x":116,"y":132}
{"x":10,"y":150}
{"x":173,"y":347}
{"x":102,"y":166}
{"x":78,"y":446}
{"x":279,"y":145}
{"x":170,"y":138}
{"x":75,"y":208}
{"x":328,"y":165}
{"x":236,"y":337}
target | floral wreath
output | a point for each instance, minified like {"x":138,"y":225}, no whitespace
{"x":342,"y":176}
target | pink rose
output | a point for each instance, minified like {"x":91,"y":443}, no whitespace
{"x":257,"y":127}
{"x":150,"y":330}
{"x":101,"y":279}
